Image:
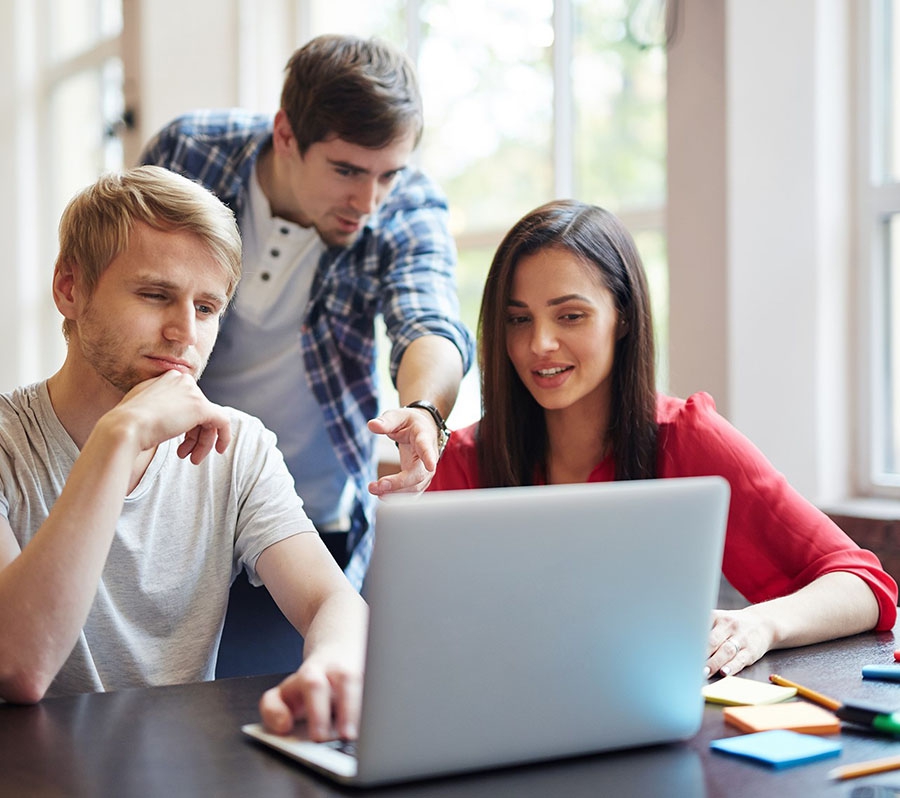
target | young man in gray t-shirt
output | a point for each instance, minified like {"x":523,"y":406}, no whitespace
{"x":120,"y":526}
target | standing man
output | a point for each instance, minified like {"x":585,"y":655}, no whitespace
{"x":337,"y":229}
{"x":129,"y":501}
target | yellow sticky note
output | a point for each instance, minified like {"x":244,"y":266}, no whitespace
{"x":735,"y":691}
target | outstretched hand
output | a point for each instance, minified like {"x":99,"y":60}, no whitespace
{"x":416,"y":437}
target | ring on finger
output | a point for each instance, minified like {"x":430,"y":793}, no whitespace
{"x":735,"y":645}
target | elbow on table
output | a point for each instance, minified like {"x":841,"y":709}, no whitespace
{"x":887,"y":617}
{"x":24,"y":687}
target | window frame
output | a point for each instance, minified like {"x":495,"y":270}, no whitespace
{"x":878,"y":198}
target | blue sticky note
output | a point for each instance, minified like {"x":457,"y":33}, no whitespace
{"x":779,"y":748}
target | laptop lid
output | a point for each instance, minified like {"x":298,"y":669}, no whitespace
{"x":521,"y":624}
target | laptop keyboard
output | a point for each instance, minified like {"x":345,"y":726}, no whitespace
{"x":347,"y":747}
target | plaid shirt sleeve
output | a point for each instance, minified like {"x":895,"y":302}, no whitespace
{"x":419,"y":295}
{"x":214,"y":148}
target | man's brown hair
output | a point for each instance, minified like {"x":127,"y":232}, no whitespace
{"x":360,"y":90}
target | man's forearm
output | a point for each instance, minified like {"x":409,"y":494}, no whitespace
{"x":431,"y":370}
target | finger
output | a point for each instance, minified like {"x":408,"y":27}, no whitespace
{"x":205,"y":442}
{"x":379,"y":426}
{"x":305,"y":693}
{"x":723,"y":627}
{"x":198,"y":443}
{"x":426,"y":447}
{"x":276,"y":715}
{"x":189,"y":442}
{"x":728,"y":656}
{"x":317,"y":700}
{"x":413,"y":480}
{"x":224,"y":436}
{"x":348,"y":704}
{"x":729,"y":648}
{"x":382,"y":487}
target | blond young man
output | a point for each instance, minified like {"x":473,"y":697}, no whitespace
{"x":129,"y":501}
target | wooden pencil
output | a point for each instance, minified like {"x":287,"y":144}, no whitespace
{"x":865,"y":768}
{"x":812,"y":695}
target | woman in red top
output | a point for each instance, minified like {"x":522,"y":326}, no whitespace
{"x":568,"y":390}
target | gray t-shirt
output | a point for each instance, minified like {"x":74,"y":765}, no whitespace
{"x":184,"y":534}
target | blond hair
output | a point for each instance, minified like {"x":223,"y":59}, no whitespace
{"x":96,"y":225}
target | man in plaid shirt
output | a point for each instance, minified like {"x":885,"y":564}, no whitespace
{"x":337,"y":229}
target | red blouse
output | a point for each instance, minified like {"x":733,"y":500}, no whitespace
{"x":776,"y":541}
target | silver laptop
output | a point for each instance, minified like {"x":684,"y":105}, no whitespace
{"x":517,"y":625}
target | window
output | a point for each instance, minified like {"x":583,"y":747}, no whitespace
{"x":879,"y":244}
{"x":84,"y":94}
{"x":568,"y":101}
{"x":63,"y":84}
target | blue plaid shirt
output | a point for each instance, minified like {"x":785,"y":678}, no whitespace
{"x":401,"y":265}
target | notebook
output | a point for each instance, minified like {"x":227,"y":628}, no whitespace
{"x":524,"y":624}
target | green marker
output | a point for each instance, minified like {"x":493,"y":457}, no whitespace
{"x":879,"y":718}
{"x":887,"y":723}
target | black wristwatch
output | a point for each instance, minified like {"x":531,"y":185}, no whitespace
{"x":443,"y":432}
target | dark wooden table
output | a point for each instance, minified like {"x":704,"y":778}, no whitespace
{"x":186,"y":741}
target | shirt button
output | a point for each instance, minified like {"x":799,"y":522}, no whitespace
{"x":284,"y":231}
{"x":264,"y":276}
{"x":274,"y":252}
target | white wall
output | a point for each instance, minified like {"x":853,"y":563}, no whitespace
{"x":25,"y":340}
{"x":697,"y":203}
{"x":178,"y":66}
{"x":790,"y":222}
{"x":202,"y":62}
{"x":764,"y":319}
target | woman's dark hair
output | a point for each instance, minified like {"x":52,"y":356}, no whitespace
{"x":512,"y":435}
{"x":361,"y":90}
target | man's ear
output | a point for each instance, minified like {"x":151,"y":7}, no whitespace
{"x":283,"y":142}
{"x":64,"y":289}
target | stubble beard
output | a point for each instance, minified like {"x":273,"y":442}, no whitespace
{"x":101,"y":348}
{"x":338,"y":239}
